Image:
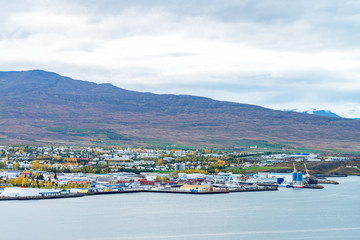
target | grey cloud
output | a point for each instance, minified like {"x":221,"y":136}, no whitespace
{"x":288,"y":25}
{"x":277,"y":26}
{"x":255,"y":89}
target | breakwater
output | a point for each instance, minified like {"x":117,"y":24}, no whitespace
{"x":326,"y":181}
{"x":187,"y":192}
{"x":314,"y":186}
{"x":329,"y":175}
{"x":267,"y":188}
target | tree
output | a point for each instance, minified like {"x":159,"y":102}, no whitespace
{"x":12,"y":181}
{"x":16,"y":166}
{"x":34,"y":184}
{"x":49,"y":184}
{"x":19,"y":180}
{"x":25,"y":182}
{"x":35,"y":165}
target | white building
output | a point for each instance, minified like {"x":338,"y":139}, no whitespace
{"x":180,"y":166}
{"x":26,"y":192}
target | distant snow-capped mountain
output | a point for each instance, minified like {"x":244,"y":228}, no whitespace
{"x":327,"y":113}
{"x":314,"y":111}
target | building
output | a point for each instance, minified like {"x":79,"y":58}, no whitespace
{"x":28,"y":192}
{"x":197,"y":188}
{"x":180,"y":166}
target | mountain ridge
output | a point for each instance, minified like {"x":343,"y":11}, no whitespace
{"x":40,"y":106}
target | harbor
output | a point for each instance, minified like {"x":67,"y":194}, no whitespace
{"x":21,"y":194}
{"x":198,"y":184}
{"x":55,"y":172}
{"x":152,"y":215}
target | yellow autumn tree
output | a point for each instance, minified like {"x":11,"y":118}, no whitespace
{"x":12,"y":181}
{"x":19,"y":180}
{"x":34,"y":184}
{"x":49,"y":184}
{"x":25,"y":182}
{"x":221,"y":163}
{"x":35,"y":165}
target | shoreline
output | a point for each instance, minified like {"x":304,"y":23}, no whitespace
{"x":76,"y":195}
{"x":42,"y":197}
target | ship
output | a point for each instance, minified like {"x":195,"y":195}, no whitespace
{"x":297,"y":179}
{"x":306,"y":181}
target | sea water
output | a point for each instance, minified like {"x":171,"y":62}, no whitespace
{"x":329,"y":213}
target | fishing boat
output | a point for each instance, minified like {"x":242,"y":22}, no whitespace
{"x":284,"y":184}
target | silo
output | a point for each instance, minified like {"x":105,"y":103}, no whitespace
{"x":299,"y":177}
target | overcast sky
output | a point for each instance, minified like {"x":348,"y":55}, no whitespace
{"x":277,"y":54}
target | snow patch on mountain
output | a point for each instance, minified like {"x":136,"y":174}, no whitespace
{"x":314,"y":111}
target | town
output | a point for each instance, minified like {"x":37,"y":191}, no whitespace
{"x":64,"y":171}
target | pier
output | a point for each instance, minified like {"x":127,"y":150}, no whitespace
{"x":75,"y":195}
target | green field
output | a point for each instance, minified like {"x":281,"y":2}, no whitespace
{"x":85,"y":132}
{"x":254,"y":169}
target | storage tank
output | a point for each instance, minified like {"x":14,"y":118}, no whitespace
{"x":299,"y":177}
{"x":280,"y":180}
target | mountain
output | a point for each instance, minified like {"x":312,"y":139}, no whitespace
{"x":324,"y":113}
{"x":314,"y":111}
{"x":44,"y":107}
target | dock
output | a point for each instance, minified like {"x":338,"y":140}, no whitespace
{"x":43,"y":197}
{"x":267,"y":188}
{"x":314,"y":186}
{"x":187,"y":192}
{"x":326,"y":181}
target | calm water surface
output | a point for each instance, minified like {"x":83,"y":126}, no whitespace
{"x":330,"y":213}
